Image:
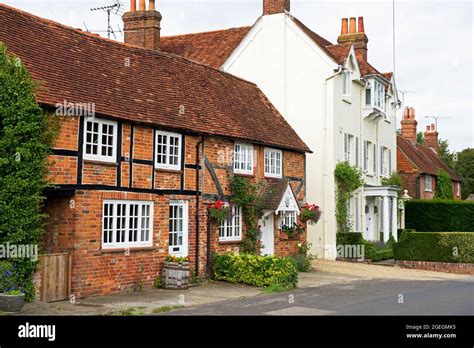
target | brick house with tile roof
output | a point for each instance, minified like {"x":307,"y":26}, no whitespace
{"x":147,"y":140}
{"x":418,"y":165}
{"x":339,"y":103}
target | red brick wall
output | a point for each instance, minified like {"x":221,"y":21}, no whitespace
{"x":461,"y":268}
{"x":275,"y":6}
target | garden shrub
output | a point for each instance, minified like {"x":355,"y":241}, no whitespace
{"x":26,"y":136}
{"x":303,"y":258}
{"x":439,"y":216}
{"x":261,"y":271}
{"x":436,"y":246}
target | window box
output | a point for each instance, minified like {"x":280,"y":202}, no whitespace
{"x":100,"y":140}
{"x":168,"y":150}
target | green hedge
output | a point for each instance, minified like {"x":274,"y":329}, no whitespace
{"x":349,"y":238}
{"x":436,"y":246}
{"x":439,"y":216}
{"x":380,"y":255}
{"x":261,"y":271}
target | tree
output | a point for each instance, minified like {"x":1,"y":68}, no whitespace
{"x":444,"y":153}
{"x":465,"y":169}
{"x":26,"y":136}
{"x":420,"y":138}
{"x":444,"y":189}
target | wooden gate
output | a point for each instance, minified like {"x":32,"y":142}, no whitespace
{"x":55,"y":277}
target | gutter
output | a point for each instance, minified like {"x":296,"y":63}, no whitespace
{"x":199,"y":143}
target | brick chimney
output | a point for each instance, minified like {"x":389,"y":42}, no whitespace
{"x":354,"y":35}
{"x":409,"y":125}
{"x":431,"y":137}
{"x":275,"y":6}
{"x":142,"y":26}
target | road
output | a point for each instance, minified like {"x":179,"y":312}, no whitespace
{"x":356,"y":297}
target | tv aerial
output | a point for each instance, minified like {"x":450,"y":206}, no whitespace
{"x":115,"y":8}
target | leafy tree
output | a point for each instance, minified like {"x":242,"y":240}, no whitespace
{"x":465,"y":169}
{"x":348,"y":180}
{"x":26,"y":136}
{"x":444,"y":153}
{"x":420,"y":138}
{"x":444,"y":190}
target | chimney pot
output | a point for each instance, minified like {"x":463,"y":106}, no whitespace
{"x":133,"y":5}
{"x":352,"y":28}
{"x":142,"y":28}
{"x":344,"y":27}
{"x":409,"y":125}
{"x":141,"y":5}
{"x":152,"y":5}
{"x":360,"y":27}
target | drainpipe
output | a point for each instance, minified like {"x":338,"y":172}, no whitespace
{"x":208,"y":246}
{"x":337,"y":71}
{"x":198,"y":145}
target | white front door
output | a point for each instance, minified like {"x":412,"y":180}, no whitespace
{"x":178,"y":228}
{"x":268,"y":235}
{"x":369,"y":221}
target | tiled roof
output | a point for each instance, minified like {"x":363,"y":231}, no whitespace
{"x":131,"y":83}
{"x":424,"y":158}
{"x":210,"y":48}
{"x":274,"y":193}
{"x":214,"y":48}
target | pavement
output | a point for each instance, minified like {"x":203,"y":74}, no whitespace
{"x":331,"y":287}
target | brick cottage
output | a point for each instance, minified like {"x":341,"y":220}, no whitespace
{"x":148,"y":139}
{"x":419,"y":164}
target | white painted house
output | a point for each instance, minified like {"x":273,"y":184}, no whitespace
{"x":340,"y":105}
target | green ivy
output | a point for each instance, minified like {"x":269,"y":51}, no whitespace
{"x":444,"y":189}
{"x":250,"y":196}
{"x":348,"y":180}
{"x":394,"y":180}
{"x":26,"y":136}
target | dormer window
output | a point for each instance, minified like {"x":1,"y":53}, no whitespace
{"x":374,"y":99}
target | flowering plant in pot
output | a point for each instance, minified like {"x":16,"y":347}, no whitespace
{"x":292,"y":231}
{"x":175,"y":273}
{"x":219,"y":210}
{"x":12,"y":297}
{"x":310,"y":213}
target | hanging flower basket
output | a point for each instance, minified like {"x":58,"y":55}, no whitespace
{"x":310,"y":213}
{"x":293,"y":231}
{"x":219,"y":211}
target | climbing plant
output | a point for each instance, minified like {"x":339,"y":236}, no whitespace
{"x":26,"y":135}
{"x":250,"y":196}
{"x":444,"y":189}
{"x":348,"y":180}
{"x":394,"y":180}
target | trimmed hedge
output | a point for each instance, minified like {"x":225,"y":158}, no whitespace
{"x":439,"y":216}
{"x":435,"y":246}
{"x":261,"y":271}
{"x":349,"y":238}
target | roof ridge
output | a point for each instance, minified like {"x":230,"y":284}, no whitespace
{"x":123,"y":44}
{"x":205,"y":32}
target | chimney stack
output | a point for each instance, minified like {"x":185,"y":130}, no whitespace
{"x":409,"y":125}
{"x":142,"y":27}
{"x":271,"y":7}
{"x":431,"y":137}
{"x":356,"y":36}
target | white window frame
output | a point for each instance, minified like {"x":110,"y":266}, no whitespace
{"x":379,"y":95}
{"x":232,"y":225}
{"x":167,"y":146}
{"x":180,"y":250}
{"x":268,"y":161}
{"x":243,"y":158}
{"x":99,"y":157}
{"x":458,"y":189}
{"x":288,"y":219}
{"x":143,"y":225}
{"x":428,"y":188}
{"x":366,"y":156}
{"x":346,"y":84}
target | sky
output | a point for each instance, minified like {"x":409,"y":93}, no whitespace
{"x":433,"y":42}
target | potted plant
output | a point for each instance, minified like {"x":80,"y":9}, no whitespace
{"x":219,"y":211}
{"x":310,"y":213}
{"x":12,"y":297}
{"x":292,"y":231}
{"x":175,"y":272}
